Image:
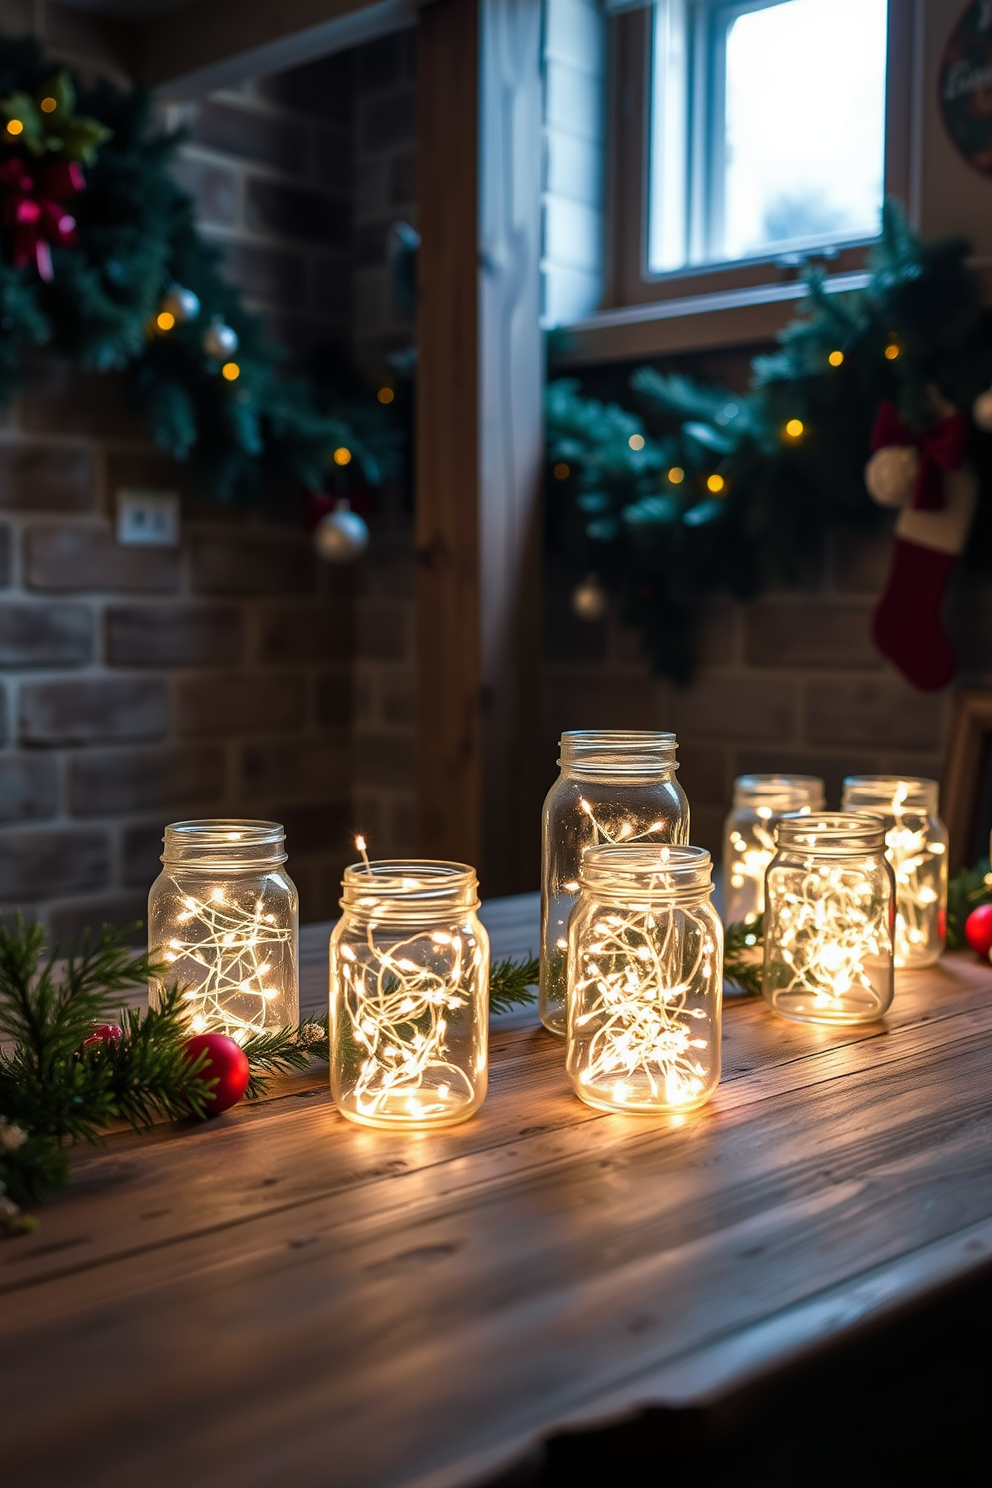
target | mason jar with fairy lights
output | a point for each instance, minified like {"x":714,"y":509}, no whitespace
{"x":829,"y":919}
{"x":916,"y":846}
{"x":615,"y":786}
{"x":749,"y":836}
{"x":409,"y":995}
{"x":645,"y":980}
{"x":223,"y":916}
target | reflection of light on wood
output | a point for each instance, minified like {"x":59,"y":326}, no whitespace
{"x":233,"y":954}
{"x":397,"y":1001}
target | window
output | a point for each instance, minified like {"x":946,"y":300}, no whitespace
{"x":767,"y":128}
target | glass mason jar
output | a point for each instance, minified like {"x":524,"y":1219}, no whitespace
{"x":645,"y":980}
{"x":224,"y":915}
{"x":916,"y":846}
{"x":409,"y":995}
{"x":829,"y":922}
{"x":615,"y":786}
{"x":749,"y":836}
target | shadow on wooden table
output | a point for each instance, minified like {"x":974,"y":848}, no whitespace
{"x":907,"y":1403}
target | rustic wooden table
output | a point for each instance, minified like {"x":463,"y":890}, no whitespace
{"x":280,"y":1297}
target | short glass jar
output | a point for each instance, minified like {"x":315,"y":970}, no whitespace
{"x":224,"y":915}
{"x":829,"y":923}
{"x":916,"y":846}
{"x":616,"y":785}
{"x":645,"y":980}
{"x":749,"y":836}
{"x":409,"y":995}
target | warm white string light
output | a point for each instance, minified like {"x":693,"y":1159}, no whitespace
{"x":751,"y":857}
{"x":830,"y":927}
{"x":398,"y":1000}
{"x":638,"y":982}
{"x":234,"y":955}
{"x":916,"y":864}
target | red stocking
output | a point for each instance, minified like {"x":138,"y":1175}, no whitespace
{"x":908,"y":627}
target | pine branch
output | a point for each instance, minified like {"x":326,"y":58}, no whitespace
{"x":742,"y":949}
{"x":275,"y":1051}
{"x":969,"y":888}
{"x":512,"y":983}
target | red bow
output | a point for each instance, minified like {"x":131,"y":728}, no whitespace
{"x":33,"y":208}
{"x":941,"y":447}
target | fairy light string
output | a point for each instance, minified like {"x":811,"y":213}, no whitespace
{"x":398,"y":1000}
{"x":234,"y":953}
{"x":829,"y":923}
{"x":916,"y":863}
{"x":636,"y":984}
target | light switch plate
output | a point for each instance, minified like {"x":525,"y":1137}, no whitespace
{"x":148,"y":519}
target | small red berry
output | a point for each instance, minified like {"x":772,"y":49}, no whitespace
{"x":227,"y":1063}
{"x":978,"y":929}
{"x":103,"y":1033}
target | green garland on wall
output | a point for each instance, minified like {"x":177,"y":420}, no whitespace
{"x":98,"y":240}
{"x":696,"y":490}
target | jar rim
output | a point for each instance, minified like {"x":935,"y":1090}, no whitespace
{"x":767,"y":788}
{"x":650,"y":869}
{"x":217,"y":842}
{"x":893,"y":793}
{"x":395,"y":887}
{"x":619,"y":751}
{"x":830,"y":831}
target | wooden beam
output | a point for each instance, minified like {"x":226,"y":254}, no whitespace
{"x":449,"y":751}
{"x":478,"y":460}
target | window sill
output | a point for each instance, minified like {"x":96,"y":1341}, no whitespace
{"x":734,"y":317}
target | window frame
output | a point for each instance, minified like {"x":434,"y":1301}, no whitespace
{"x":629,"y":280}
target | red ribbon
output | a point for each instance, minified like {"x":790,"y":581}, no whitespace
{"x":941,"y":447}
{"x":32,"y":208}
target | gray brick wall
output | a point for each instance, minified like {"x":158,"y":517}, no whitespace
{"x":141,"y":685}
{"x":791,"y":682}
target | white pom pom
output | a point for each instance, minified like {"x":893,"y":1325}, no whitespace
{"x":981,"y":410}
{"x":891,"y":474}
{"x":341,"y":536}
{"x":589,"y":599}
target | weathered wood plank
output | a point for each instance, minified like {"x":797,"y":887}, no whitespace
{"x":256,"y":1161}
{"x":489,"y":1309}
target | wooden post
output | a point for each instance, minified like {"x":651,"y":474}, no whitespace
{"x":479,"y":437}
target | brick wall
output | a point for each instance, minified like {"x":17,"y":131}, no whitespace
{"x":791,"y":682}
{"x":139,"y":686}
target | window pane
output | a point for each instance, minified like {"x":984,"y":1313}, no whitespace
{"x":805,"y":127}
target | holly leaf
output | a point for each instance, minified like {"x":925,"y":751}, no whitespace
{"x":60,"y":87}
{"x":82,"y":137}
{"x":21,"y":106}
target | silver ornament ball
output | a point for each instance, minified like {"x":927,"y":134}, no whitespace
{"x":341,"y":536}
{"x":589,"y":599}
{"x":182,"y":303}
{"x":221,"y":340}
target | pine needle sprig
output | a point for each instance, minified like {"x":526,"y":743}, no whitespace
{"x":742,"y":946}
{"x":275,"y":1051}
{"x":512,"y":984}
{"x":969,"y":888}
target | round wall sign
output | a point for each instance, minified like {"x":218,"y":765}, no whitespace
{"x":965,"y":85}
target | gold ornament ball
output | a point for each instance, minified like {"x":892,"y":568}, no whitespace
{"x":589,"y":600}
{"x":981,"y":411}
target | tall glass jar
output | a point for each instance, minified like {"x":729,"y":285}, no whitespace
{"x":645,"y":980}
{"x":224,"y":916}
{"x":409,"y":995}
{"x":916,"y":846}
{"x":615,"y":786}
{"x":829,"y":922}
{"x":749,"y":836}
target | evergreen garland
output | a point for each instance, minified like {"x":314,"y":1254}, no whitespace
{"x":135,"y":238}
{"x":695,"y":489}
{"x":59,"y":1083}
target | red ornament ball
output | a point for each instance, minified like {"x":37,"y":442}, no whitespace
{"x":978,"y":929}
{"x":103,"y":1033}
{"x":227,"y":1063}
